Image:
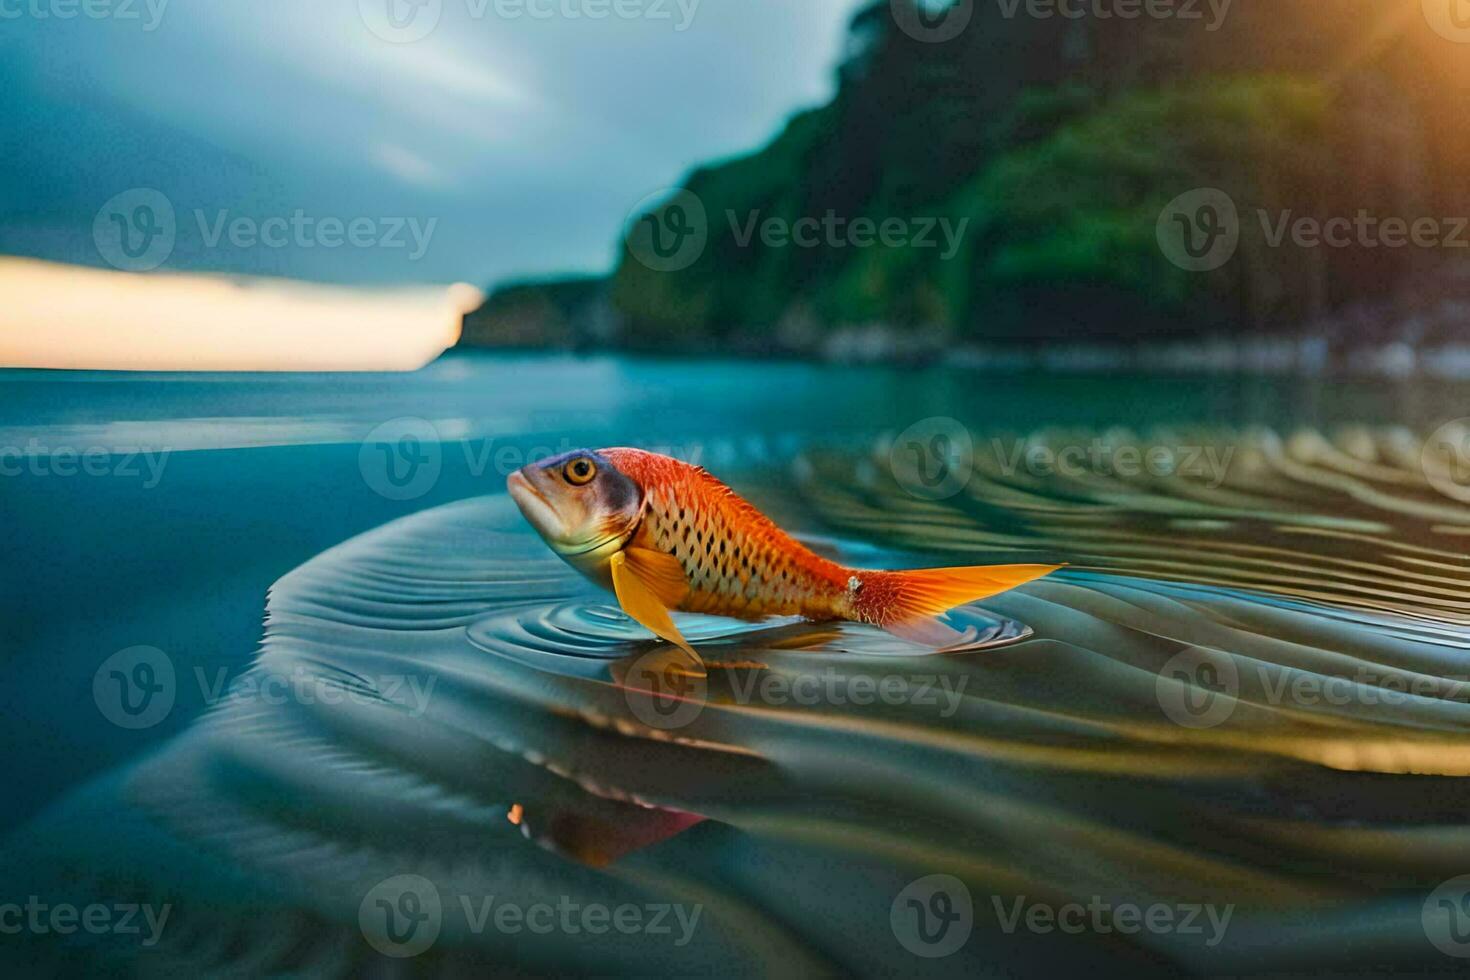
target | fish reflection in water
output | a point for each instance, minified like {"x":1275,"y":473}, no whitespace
{"x":1246,"y":695}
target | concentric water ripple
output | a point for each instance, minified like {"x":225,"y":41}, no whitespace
{"x":1248,"y":691}
{"x":578,"y":636}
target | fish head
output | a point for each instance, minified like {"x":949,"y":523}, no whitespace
{"x":581,"y":504}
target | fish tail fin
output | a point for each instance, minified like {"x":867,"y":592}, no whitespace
{"x":907,"y":603}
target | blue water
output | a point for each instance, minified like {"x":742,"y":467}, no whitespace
{"x":100,"y":563}
{"x":205,"y":491}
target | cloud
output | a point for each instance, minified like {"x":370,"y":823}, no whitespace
{"x":529,"y":139}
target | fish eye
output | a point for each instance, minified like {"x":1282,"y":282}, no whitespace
{"x":579,"y":472}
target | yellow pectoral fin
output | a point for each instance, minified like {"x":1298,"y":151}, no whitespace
{"x":647,"y":587}
{"x":661,"y":572}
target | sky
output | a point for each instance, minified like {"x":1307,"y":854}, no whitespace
{"x":381,"y":141}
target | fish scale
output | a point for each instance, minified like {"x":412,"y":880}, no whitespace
{"x":730,"y":572}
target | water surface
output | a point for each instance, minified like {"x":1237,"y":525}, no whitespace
{"x":1246,"y":691}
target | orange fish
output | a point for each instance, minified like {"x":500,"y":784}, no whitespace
{"x":665,"y":535}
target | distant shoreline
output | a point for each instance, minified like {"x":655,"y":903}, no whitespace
{"x":1281,"y":355}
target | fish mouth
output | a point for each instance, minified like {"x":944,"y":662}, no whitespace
{"x":543,"y":516}
{"x":536,"y":508}
{"x":517,"y":484}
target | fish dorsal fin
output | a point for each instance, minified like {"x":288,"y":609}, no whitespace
{"x":648,"y":584}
